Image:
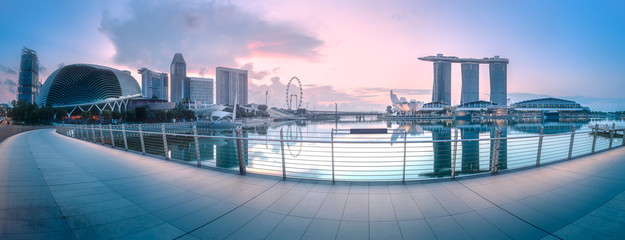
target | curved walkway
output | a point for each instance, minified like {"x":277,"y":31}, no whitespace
{"x":52,"y":186}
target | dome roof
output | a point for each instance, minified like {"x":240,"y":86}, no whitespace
{"x":86,"y":83}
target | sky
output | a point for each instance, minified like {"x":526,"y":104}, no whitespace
{"x":349,"y":52}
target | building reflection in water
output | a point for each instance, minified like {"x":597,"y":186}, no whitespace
{"x":470,"y":150}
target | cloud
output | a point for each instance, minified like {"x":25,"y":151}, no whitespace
{"x":316,"y":96}
{"x":207,"y":34}
{"x":8,"y":89}
{"x":11,"y":85}
{"x":258,"y":75}
{"x":7,"y":70}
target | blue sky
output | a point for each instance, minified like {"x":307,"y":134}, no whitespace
{"x":350,"y":52}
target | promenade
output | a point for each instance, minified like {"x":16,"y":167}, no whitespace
{"x":56,"y":187}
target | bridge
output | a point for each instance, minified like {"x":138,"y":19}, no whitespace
{"x":58,"y":187}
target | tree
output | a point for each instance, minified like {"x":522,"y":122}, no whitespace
{"x":160,"y":115}
{"x":116,"y":115}
{"x":131,"y":115}
{"x":142,"y":113}
{"x":85,"y":115}
{"x":106,"y":114}
{"x":389,"y":109}
{"x":189,"y":115}
{"x":262,"y":107}
{"x":60,"y":113}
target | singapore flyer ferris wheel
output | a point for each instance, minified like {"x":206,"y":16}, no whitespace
{"x":290,"y":94}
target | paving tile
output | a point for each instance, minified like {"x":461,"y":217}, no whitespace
{"x":356,"y":208}
{"x":381,"y":208}
{"x":259,"y":227}
{"x":477,"y":227}
{"x":321,"y":229}
{"x":226,"y":225}
{"x":384,"y":230}
{"x":291,"y":227}
{"x":416,"y":229}
{"x":512,"y":226}
{"x":446,"y":227}
{"x":309,"y":205}
{"x":353,"y":230}
{"x":332,"y":207}
{"x":405,"y":207}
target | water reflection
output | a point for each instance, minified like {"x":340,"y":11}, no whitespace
{"x":314,"y":158}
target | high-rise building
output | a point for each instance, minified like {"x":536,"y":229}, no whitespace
{"x":470,"y":82}
{"x":441,"y":92}
{"x":499,"y":82}
{"x":231,"y":83}
{"x":201,"y":91}
{"x":178,"y":75}
{"x":29,"y":85}
{"x":154,"y":84}
{"x":470,"y":78}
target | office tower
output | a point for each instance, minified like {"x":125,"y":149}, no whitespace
{"x":470,"y":82}
{"x":154,"y":84}
{"x":441,"y":92}
{"x":201,"y":90}
{"x":231,"y":83}
{"x":499,"y":83}
{"x":28,"y":88}
{"x":178,"y":75}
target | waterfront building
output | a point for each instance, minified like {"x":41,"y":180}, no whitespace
{"x":154,"y":84}
{"x":179,"y":81}
{"x":28,"y":88}
{"x":498,"y":69}
{"x":441,"y":91}
{"x":201,"y":91}
{"x":89,"y":87}
{"x":470,"y":82}
{"x":230,"y":84}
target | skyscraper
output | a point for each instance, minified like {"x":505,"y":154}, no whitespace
{"x":470,"y":82}
{"x":499,"y":82}
{"x":154,"y":84}
{"x":231,"y":83}
{"x":178,"y":75}
{"x":201,"y":90}
{"x":28,"y":88}
{"x":441,"y":91}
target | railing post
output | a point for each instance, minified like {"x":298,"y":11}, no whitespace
{"x":101,"y":135}
{"x":80,"y":134}
{"x":594,"y":137}
{"x":332,"y":147}
{"x":453,"y":160}
{"x":623,"y":138}
{"x":403,"y":178}
{"x":495,"y":161}
{"x":540,"y":145}
{"x":165,"y":141}
{"x":612,"y":135}
{"x":141,"y":139}
{"x":197,"y":146}
{"x":112,"y":140}
{"x":282,"y":151}
{"x":93,"y":134}
{"x":124,"y":135}
{"x":571,"y":142}
{"x":242,"y":169}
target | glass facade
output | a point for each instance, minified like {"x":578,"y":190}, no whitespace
{"x":201,"y":90}
{"x":29,"y":85}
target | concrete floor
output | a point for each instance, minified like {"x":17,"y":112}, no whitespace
{"x":52,"y":186}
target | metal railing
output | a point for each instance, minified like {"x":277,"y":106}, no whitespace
{"x":346,"y":157}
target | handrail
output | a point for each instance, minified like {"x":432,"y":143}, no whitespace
{"x":353,"y":160}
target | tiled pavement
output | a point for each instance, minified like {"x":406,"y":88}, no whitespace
{"x":53,"y":186}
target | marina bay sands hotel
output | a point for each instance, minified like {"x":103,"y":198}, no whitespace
{"x":470,"y":78}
